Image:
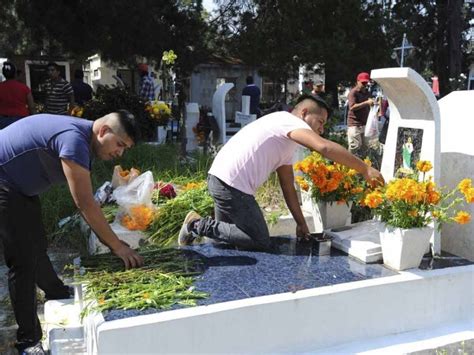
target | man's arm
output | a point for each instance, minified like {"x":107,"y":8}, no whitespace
{"x":79,"y":182}
{"x":286,"y":178}
{"x":335,"y":152}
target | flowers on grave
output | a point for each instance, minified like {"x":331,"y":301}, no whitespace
{"x":162,"y":191}
{"x":139,"y":218}
{"x":327,"y":181}
{"x":159,"y":112}
{"x":200,"y":134}
{"x":77,"y":111}
{"x":193,"y":185}
{"x":410,"y":202}
{"x":169,"y":57}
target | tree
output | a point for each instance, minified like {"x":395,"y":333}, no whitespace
{"x":438,"y":30}
{"x":121,"y":31}
{"x":278,"y":36}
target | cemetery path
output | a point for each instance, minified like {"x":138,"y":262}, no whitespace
{"x":8,"y":327}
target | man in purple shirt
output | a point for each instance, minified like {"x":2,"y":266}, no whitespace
{"x":35,"y":153}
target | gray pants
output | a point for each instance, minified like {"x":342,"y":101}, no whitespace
{"x":238,"y":218}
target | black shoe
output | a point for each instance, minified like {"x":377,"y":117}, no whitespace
{"x":34,"y":349}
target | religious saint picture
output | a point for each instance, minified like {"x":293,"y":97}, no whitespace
{"x":408,"y":150}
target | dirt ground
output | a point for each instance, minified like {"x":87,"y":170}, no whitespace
{"x":59,"y":258}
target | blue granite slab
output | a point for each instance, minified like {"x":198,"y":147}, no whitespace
{"x":228,"y":274}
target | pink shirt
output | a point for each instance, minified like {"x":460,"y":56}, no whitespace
{"x":247,"y":159}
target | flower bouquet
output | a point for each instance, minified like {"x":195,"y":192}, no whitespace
{"x":329,"y":185}
{"x":159,"y":112}
{"x":408,"y":206}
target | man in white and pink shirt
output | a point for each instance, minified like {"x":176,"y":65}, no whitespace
{"x":246,"y":161}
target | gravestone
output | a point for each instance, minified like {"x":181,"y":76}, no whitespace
{"x":457,"y":162}
{"x":192,"y":118}
{"x":218,"y":109}
{"x":413,"y":134}
{"x":244,"y":117}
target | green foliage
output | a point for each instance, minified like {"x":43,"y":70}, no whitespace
{"x":165,"y":228}
{"x":162,"y":160}
{"x":110,"y":99}
{"x":164,"y":281}
{"x":121,"y":31}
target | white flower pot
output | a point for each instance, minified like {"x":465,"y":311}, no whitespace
{"x":404,"y":248}
{"x":161,"y":132}
{"x":326,"y":214}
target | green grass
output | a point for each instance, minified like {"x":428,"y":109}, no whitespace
{"x":162,"y":160}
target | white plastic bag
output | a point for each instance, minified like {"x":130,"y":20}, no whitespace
{"x":137,"y":192}
{"x":372,"y":125}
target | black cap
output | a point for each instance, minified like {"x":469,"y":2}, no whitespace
{"x":317,"y":99}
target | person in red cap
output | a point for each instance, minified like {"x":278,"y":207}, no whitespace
{"x":359,"y":103}
{"x":147,"y":87}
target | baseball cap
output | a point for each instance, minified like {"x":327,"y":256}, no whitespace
{"x":317,"y":99}
{"x":143,"y":67}
{"x":363,"y":77}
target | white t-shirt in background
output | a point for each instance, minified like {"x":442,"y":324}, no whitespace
{"x":249,"y":157}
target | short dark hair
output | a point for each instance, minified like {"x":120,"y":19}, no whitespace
{"x":316,"y":98}
{"x":249,"y":79}
{"x":78,"y":74}
{"x":129,"y":124}
{"x":9,"y":70}
{"x":53,"y":64}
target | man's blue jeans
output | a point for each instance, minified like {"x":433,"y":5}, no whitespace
{"x":238,"y":219}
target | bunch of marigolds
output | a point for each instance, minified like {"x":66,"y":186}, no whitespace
{"x":139,"y":218}
{"x":411,"y":202}
{"x":328,"y":181}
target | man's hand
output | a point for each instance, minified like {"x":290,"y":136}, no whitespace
{"x":370,"y":102}
{"x":302,"y":231}
{"x":130,"y":257}
{"x":374,"y":177}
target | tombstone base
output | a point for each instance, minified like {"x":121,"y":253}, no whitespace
{"x":361,"y":240}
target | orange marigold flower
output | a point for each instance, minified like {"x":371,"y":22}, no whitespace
{"x":469,"y":195}
{"x":462,"y":217}
{"x":413,"y":213}
{"x":433,"y":197}
{"x":139,"y":218}
{"x":424,"y":166}
{"x":465,"y":185}
{"x":367,"y":161}
{"x":373,"y":199}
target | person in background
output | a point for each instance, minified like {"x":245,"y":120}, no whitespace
{"x":35,"y":153}
{"x":253,"y":91}
{"x":318,"y":88}
{"x":16,"y":100}
{"x":82,"y":91}
{"x":147,"y":86}
{"x":59,"y":93}
{"x":359,"y":103}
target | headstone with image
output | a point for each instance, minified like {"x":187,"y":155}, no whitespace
{"x":413,"y":134}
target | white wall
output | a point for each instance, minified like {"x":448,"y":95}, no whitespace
{"x":457,"y":162}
